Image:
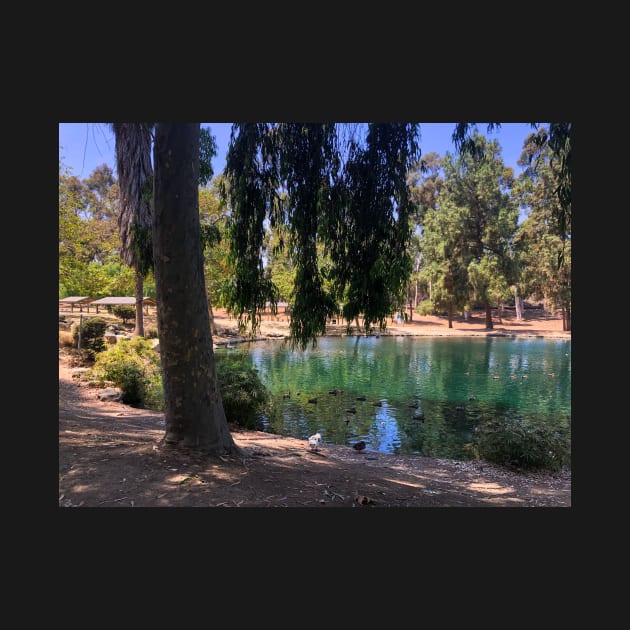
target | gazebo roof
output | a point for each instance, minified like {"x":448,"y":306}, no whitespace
{"x":76,"y":300}
{"x":111,"y":300}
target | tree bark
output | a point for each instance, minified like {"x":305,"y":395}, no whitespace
{"x":489,"y":324}
{"x":450,"y":316}
{"x":193,"y":407}
{"x":213,"y":326}
{"x":518,"y":305}
{"x":139,"y":331}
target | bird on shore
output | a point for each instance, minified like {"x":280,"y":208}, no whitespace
{"x":359,"y":446}
{"x":346,"y":419}
{"x":313,"y":400}
{"x":377,"y":403}
{"x":286,"y":395}
{"x":351,"y":410}
{"x":472,"y":397}
{"x":314,"y":440}
{"x":361,"y":398}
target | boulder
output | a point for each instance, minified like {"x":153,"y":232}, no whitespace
{"x":110,"y":394}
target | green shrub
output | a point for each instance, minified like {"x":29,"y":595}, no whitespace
{"x":126,"y":312}
{"x":513,"y":441}
{"x":92,"y":336}
{"x":244,"y":394}
{"x":133,"y":366}
{"x":426,"y":307}
{"x":151,"y":333}
{"x":154,"y":391}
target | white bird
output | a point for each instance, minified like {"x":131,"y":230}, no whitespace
{"x":314,"y":441}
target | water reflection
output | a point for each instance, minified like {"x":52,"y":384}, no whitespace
{"x":412,"y":395}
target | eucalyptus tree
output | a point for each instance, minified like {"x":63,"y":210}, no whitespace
{"x":88,"y":234}
{"x":163,"y":226}
{"x":354,"y":202}
{"x":542,"y":240}
{"x":193,"y":407}
{"x":479,"y":184}
{"x":72,"y":232}
{"x":350,"y":195}
{"x":102,"y":194}
{"x":135,"y":176}
{"x":557,"y":138}
{"x":135,"y":180}
{"x":369,"y":235}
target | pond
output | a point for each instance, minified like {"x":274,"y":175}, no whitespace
{"x":413,"y":395}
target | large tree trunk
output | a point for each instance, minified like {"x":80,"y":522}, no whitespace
{"x":193,"y":407}
{"x":139,"y":331}
{"x":489,"y":324}
{"x":450,"y":316}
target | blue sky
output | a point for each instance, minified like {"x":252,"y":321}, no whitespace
{"x":84,"y":146}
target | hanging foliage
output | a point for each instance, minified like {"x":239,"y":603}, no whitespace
{"x":135,"y":178}
{"x":350,"y":194}
{"x":250,"y":184}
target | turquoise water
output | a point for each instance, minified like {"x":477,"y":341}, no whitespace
{"x":431,"y":392}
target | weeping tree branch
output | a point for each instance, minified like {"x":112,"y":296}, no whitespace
{"x":352,"y":197}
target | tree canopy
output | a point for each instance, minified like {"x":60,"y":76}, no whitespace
{"x":326,"y":184}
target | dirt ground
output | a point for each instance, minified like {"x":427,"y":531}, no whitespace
{"x":110,"y":454}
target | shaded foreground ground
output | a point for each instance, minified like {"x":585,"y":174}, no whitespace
{"x":110,"y":456}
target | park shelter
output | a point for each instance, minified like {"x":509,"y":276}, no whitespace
{"x":74,"y":300}
{"x":129,"y":301}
